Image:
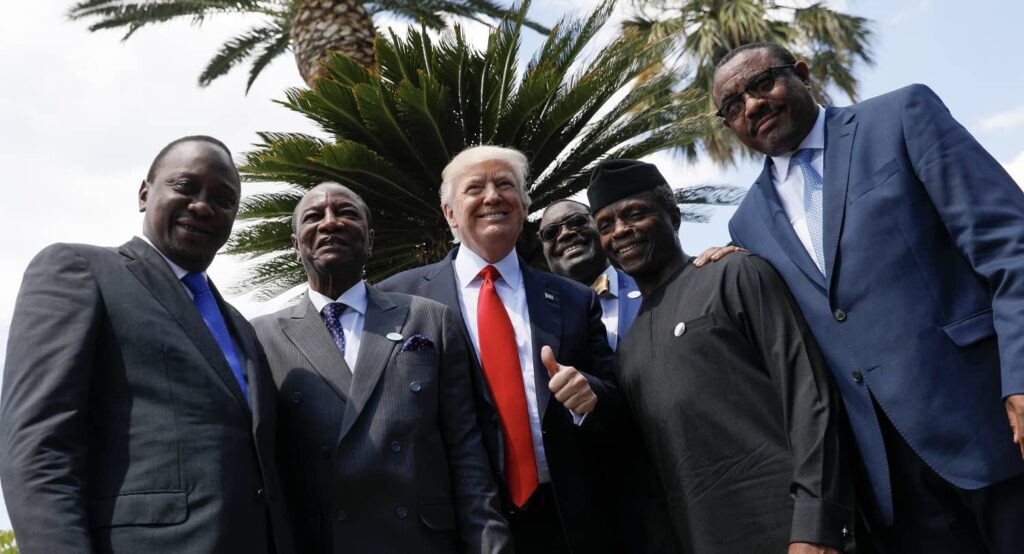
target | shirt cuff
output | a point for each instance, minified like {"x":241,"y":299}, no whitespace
{"x":577,"y":419}
{"x":817,"y":521}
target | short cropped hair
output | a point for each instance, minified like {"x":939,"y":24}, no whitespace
{"x":153,"y":167}
{"x":780,"y":53}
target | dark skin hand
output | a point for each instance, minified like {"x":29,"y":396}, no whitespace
{"x":715,"y":253}
{"x":1015,"y":413}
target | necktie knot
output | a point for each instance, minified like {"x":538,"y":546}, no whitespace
{"x":803,"y":156}
{"x":334,"y":310}
{"x":490,"y":273}
{"x":602,"y":286}
{"x":196,"y":283}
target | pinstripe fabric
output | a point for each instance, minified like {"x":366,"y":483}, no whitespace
{"x":389,"y":459}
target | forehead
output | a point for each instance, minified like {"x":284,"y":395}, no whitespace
{"x":734,"y":75}
{"x":487,"y":169}
{"x":196,"y":157}
{"x":333,"y":194}
{"x":562,"y":210}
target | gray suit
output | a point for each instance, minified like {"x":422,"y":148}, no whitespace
{"x":388,"y":458}
{"x":122,"y":428}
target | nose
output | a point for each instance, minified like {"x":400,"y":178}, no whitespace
{"x":200,"y":206}
{"x":620,"y":228}
{"x":491,"y":195}
{"x":564,"y":233}
{"x":329,"y":221}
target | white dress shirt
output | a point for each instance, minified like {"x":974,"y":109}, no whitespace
{"x":610,"y":306}
{"x":352,"y":319}
{"x":790,"y":184}
{"x":512,"y":293}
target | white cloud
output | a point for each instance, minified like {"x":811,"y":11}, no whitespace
{"x":1004,"y":120}
{"x":1016,"y":169}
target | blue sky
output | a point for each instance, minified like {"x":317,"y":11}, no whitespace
{"x":82,"y":114}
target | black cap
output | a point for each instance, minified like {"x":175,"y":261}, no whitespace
{"x":613,"y":180}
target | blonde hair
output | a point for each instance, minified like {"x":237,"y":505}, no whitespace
{"x":514,"y":159}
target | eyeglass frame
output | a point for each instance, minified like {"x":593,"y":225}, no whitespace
{"x":775,"y":71}
{"x":564,"y":223}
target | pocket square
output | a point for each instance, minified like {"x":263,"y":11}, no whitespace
{"x":417,"y":343}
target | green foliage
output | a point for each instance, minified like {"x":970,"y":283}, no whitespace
{"x":705,"y":30}
{"x":268,"y":40}
{"x":393,"y":128}
{"x":7,"y":544}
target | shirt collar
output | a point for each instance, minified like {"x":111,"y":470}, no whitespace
{"x":613,"y":280}
{"x":814,"y":139}
{"x":179,"y":271}
{"x":354,"y":298}
{"x":468,"y":265}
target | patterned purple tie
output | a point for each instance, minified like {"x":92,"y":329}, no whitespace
{"x":332,"y":318}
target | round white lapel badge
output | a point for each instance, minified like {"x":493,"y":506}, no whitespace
{"x":394,"y":336}
{"x":633,"y":294}
{"x":680,"y":329}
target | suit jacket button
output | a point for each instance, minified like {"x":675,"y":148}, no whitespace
{"x":494,"y":419}
{"x":297,"y":398}
{"x":840,"y":315}
{"x":396,"y":446}
{"x":415,"y":386}
{"x":260,"y":495}
{"x":402,"y":512}
{"x":857,"y":376}
{"x":340,"y":515}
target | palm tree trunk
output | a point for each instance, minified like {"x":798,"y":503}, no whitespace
{"x":324,"y":26}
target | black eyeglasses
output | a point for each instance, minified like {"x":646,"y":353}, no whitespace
{"x":758,"y":86}
{"x":572,"y":223}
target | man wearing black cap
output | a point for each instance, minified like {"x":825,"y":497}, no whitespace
{"x":731,"y":393}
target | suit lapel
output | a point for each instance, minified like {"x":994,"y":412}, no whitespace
{"x":777,"y":221}
{"x":153,"y":272}
{"x":305,"y":328}
{"x":628,"y":307}
{"x":546,"y":327}
{"x":382,"y":317}
{"x":839,"y":135}
{"x":442,"y":287}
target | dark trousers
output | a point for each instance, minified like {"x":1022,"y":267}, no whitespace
{"x":537,"y":527}
{"x":932,"y":516}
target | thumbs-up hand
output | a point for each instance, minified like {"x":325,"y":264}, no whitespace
{"x":569,"y":386}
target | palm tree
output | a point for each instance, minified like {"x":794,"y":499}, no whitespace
{"x":311,"y":29}
{"x":394,"y":127}
{"x":705,"y":30}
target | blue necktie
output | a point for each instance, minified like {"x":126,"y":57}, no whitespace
{"x":332,"y":318}
{"x":207,"y":305}
{"x":813,"y":193}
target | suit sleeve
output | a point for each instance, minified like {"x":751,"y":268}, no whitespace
{"x":982,"y":208}
{"x":822,"y":495}
{"x":44,"y":404}
{"x":481,"y":526}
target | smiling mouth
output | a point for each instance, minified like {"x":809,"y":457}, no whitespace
{"x":625,"y":250}
{"x":331,"y":242}
{"x":493,"y":215}
{"x":194,"y":228}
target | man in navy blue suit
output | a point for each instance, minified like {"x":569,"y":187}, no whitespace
{"x":902,"y":240}
{"x":542,"y":365}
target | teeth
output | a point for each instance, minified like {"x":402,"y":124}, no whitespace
{"x":494,"y":215}
{"x":572,"y":249}
{"x":628,"y":249}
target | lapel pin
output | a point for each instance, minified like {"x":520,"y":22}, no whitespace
{"x":549,"y":296}
{"x":680,"y":329}
{"x":394,"y":336}
{"x":634,"y":294}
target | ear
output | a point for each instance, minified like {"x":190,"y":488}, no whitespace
{"x":295,"y":246}
{"x":143,"y":194}
{"x":369,"y":243}
{"x":803,"y":71}
{"x":449,"y":215}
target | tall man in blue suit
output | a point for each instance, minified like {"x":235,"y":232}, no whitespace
{"x":903,"y":242}
{"x":538,"y":416}
{"x":573,"y":250}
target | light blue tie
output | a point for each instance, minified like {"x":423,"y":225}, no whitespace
{"x":207,"y":305}
{"x":813,"y":186}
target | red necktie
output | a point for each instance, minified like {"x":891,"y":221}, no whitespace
{"x":500,"y":359}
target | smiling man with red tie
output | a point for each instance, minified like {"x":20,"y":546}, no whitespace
{"x":538,"y":338}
